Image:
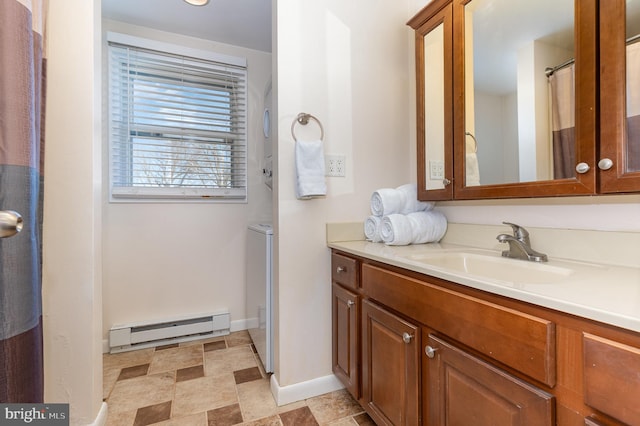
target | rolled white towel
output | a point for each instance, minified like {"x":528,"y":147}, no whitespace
{"x":427,"y":227}
{"x":386,"y":201}
{"x":396,"y":230}
{"x":409,"y":193}
{"x":372,"y":227}
{"x":403,"y":199}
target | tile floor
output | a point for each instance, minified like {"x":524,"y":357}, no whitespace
{"x":217,"y":381}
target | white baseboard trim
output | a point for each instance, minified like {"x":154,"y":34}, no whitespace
{"x":239,"y":325}
{"x":101,"y":418}
{"x":303,"y":390}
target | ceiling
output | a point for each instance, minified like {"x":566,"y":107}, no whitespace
{"x":244,"y":23}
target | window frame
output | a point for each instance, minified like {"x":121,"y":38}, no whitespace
{"x":141,"y":194}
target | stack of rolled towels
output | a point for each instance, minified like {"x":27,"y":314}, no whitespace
{"x":398,"y":218}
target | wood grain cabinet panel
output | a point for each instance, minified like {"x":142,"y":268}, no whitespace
{"x":612,"y":378}
{"x":390,"y":367}
{"x":464,"y":390}
{"x":521,"y":341}
{"x":345,"y":347}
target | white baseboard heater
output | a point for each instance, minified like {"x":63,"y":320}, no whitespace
{"x":141,"y":335}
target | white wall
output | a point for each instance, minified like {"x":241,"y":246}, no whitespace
{"x":351,"y":65}
{"x":72,"y":299}
{"x":173,"y":259}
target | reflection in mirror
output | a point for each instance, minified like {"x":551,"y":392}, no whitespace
{"x":511,"y":119}
{"x":633,"y":85}
{"x":434,"y":108}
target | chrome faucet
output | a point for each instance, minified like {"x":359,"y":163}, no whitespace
{"x":520,"y":245}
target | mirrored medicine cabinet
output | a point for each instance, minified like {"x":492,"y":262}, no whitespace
{"x":527,"y":98}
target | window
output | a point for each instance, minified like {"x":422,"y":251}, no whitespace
{"x":177,"y":124}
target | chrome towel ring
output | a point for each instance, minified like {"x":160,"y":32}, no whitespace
{"x":303,"y":119}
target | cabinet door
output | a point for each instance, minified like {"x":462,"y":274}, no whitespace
{"x":619,"y":158}
{"x":390,"y":367}
{"x":433,"y":42}
{"x":465,"y":390}
{"x":612,"y":378}
{"x":345,"y":312}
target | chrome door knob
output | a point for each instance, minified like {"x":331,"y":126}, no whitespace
{"x":350,"y":303}
{"x":10,"y":223}
{"x":429,"y":351}
{"x":406,"y":337}
{"x":341,"y":269}
{"x":605,"y":164}
{"x":582,"y":168}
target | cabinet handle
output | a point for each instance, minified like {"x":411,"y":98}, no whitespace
{"x":406,"y":337}
{"x":341,"y":269}
{"x":446,"y":182}
{"x":605,"y":164}
{"x":582,"y":168}
{"x":429,"y":351}
{"x":350,"y":303}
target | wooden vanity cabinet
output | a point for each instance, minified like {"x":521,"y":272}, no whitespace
{"x":418,"y":350}
{"x":390,"y":367}
{"x":612,"y":378}
{"x":345,"y":312}
{"x":465,"y":390}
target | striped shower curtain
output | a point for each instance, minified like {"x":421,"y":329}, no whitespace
{"x":22,"y":78}
{"x":563,"y":119}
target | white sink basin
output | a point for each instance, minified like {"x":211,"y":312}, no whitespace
{"x":494,"y":267}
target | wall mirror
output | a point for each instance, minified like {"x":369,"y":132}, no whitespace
{"x":632,"y":105}
{"x":519,"y":94}
{"x":543,"y":98}
{"x":434,"y":104}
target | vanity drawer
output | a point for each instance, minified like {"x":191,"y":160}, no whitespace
{"x":521,"y":341}
{"x":612,"y":378}
{"x":344,"y":270}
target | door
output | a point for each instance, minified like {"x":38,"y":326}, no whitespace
{"x":465,"y":390}
{"x":390,"y":367}
{"x":345,"y":312}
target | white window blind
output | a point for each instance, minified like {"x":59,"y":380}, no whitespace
{"x":178,"y":126}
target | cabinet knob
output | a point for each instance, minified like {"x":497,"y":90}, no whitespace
{"x":446,"y":181}
{"x":429,"y":351}
{"x":341,"y":269}
{"x":605,"y":164}
{"x":406,"y":337}
{"x":582,"y":168}
{"x":350,"y":303}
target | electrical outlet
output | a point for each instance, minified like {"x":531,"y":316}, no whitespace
{"x":436,"y":169}
{"x":334,"y":165}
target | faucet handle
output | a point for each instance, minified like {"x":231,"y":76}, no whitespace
{"x":519,"y":232}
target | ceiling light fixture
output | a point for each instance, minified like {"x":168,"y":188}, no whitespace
{"x":197,"y":2}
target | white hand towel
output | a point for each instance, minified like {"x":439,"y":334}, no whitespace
{"x":310,"y":181}
{"x":403,"y":199}
{"x":372,"y":227}
{"x":396,"y":230}
{"x":427,"y":227}
{"x":472,"y":176}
